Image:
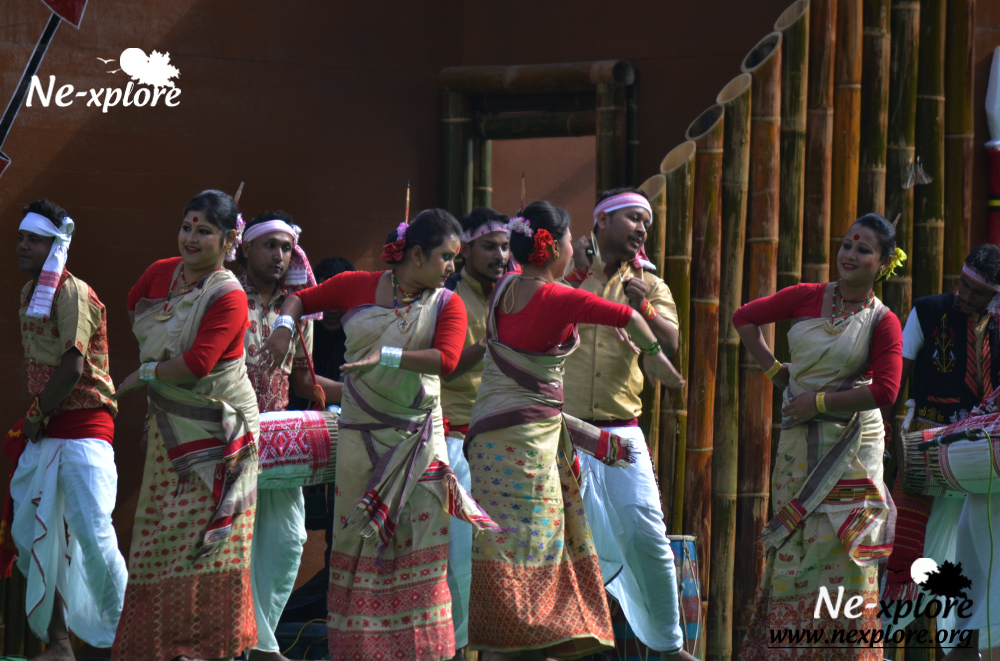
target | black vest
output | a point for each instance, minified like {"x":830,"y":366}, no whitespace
{"x":939,"y":385}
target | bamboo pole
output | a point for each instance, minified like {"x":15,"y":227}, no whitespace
{"x":874,"y":106}
{"x":819,"y":142}
{"x":482,"y":185}
{"x":759,"y":280}
{"x":455,"y":136}
{"x":794,"y":27}
{"x":632,"y":133}
{"x":536,"y":125}
{"x":958,"y":137}
{"x":846,"y":124}
{"x":557,"y":102}
{"x":735,"y":99}
{"x":904,"y":46}
{"x":652,"y":393}
{"x":611,"y":136}
{"x":706,"y":131}
{"x":560,"y":78}
{"x":928,"y":199}
{"x":678,"y":170}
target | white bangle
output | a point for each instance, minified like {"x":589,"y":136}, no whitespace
{"x":147,"y":371}
{"x":284,"y":321}
{"x":390,"y":357}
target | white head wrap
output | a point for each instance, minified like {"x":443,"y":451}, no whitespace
{"x":40,"y":306}
{"x":620,"y":201}
{"x":299,"y":274}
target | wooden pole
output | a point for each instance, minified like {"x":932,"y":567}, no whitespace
{"x":456,"y":133}
{"x":566,"y":102}
{"x":958,"y":137}
{"x":652,"y":393}
{"x":611,"y":136}
{"x":846,"y":124}
{"x":759,"y":280}
{"x":874,"y":106}
{"x":794,"y":27}
{"x":536,"y":125}
{"x":904,"y":46}
{"x":678,"y":170}
{"x":706,"y":131}
{"x":819,"y":142}
{"x":482,"y":185}
{"x":735,"y":99}
{"x":632,"y":133}
{"x":928,"y":199}
{"x":560,"y":78}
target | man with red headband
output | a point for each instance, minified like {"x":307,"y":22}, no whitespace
{"x":951,"y":356}
{"x":275,"y":266}
{"x":604,"y":384}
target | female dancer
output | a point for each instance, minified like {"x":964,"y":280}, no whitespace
{"x":388,"y":593}
{"x":536,"y":585}
{"x":832,"y":508}
{"x":188,"y":594}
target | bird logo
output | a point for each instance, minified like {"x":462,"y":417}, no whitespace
{"x":154,"y":69}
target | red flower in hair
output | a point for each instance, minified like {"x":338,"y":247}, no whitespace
{"x":393,"y":252}
{"x":543,"y":247}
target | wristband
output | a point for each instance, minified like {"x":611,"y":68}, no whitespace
{"x":576,"y":275}
{"x":652,"y":349}
{"x":773,"y":369}
{"x":284,"y":321}
{"x":147,"y":372}
{"x":647,"y":311}
{"x":34,"y":413}
{"x":821,"y":402}
{"x":391,"y":357}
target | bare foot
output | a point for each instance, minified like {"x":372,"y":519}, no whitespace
{"x":58,"y":649}
{"x":260,"y":655}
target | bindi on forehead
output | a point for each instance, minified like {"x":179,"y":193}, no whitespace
{"x":195,"y":219}
{"x":857,"y":237}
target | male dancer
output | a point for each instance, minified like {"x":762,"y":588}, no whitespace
{"x":486,"y":249}
{"x":951,"y":355}
{"x":275,"y":266}
{"x":604,"y":387}
{"x":64,"y":487}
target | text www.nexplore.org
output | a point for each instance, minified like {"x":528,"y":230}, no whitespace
{"x":866,"y":637}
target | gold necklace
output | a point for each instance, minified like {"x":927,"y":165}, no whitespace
{"x":168,"y":312}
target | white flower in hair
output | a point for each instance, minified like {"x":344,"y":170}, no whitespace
{"x":522,"y":225}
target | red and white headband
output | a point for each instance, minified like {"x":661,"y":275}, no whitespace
{"x":979,"y":278}
{"x":299,"y":274}
{"x":40,"y":306}
{"x":616,"y":202}
{"x":487,"y":228}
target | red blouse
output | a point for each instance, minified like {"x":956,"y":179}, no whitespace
{"x":353,"y":288}
{"x":806,"y":300}
{"x":549,"y":317}
{"x":220,"y":336}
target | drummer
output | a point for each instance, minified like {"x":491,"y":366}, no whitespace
{"x":274,"y":265}
{"x":951,"y":356}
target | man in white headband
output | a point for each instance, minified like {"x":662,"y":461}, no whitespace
{"x":486,"y":249}
{"x":64,"y":487}
{"x":951,"y":357}
{"x":275,"y":266}
{"x":603,"y":386}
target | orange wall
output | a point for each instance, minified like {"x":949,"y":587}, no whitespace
{"x":328,"y":109}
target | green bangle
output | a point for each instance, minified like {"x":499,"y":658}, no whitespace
{"x":652,"y":349}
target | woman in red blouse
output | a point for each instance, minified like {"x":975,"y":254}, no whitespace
{"x":832,"y":507}
{"x":388,"y":595}
{"x":188,"y":595}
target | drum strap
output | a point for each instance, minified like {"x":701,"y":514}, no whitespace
{"x":318,"y":393}
{"x":815,"y":488}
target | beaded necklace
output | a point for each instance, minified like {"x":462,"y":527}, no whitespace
{"x":402,"y":322}
{"x":832,"y":326}
{"x":168,"y":311}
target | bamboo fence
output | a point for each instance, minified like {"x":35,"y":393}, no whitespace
{"x":959,"y":127}
{"x":735,"y":98}
{"x":678,"y":171}
{"x":819,"y":142}
{"x":874,"y":106}
{"x":759,"y":280}
{"x":904,"y":45}
{"x":846,"y":124}
{"x":706,"y":132}
{"x":928,"y":200}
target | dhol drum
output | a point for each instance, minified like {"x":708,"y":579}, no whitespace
{"x":688,"y":592}
{"x":944,"y":462}
{"x":297,"y":448}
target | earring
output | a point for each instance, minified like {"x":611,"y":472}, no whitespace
{"x":555,"y":252}
{"x":419,"y":264}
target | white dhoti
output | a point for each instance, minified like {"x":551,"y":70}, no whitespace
{"x":626,"y":518}
{"x":279,"y":533}
{"x":69,"y":486}
{"x":973,"y":549}
{"x":460,"y":549}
